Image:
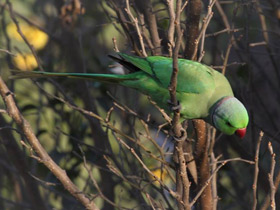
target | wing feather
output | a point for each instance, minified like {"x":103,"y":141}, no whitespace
{"x":193,"y":77}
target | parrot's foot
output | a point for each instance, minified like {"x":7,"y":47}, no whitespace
{"x":174,"y":107}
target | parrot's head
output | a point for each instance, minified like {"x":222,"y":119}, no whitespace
{"x":230,"y":116}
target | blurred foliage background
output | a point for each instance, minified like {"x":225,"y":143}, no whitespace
{"x":76,"y":36}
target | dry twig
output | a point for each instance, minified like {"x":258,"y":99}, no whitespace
{"x":147,"y":169}
{"x":8,"y":52}
{"x":270,"y":177}
{"x":115,"y":44}
{"x":22,"y":35}
{"x":182,"y":183}
{"x":255,"y":200}
{"x":41,"y":152}
{"x":171,"y":27}
{"x":205,"y":23}
{"x":135,"y":22}
{"x":146,"y":8}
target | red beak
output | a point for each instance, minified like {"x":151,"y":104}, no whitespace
{"x":240,"y":132}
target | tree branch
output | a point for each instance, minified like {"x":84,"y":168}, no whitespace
{"x":270,"y":177}
{"x":135,"y":22}
{"x":145,"y":7}
{"x":15,"y":114}
{"x":255,"y":183}
{"x":180,"y":134}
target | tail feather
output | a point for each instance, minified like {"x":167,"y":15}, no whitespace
{"x":108,"y":78}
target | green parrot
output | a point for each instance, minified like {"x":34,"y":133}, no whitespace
{"x":203,"y":93}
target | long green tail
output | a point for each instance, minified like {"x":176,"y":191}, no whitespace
{"x":108,"y":78}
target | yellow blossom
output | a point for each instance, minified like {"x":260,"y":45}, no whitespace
{"x":161,"y":175}
{"x":37,"y":38}
{"x":25,"y":62}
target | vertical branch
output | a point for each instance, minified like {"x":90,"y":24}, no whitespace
{"x":255,"y":199}
{"x":145,"y":32}
{"x":171,"y":27}
{"x":267,"y":199}
{"x":231,"y":41}
{"x":180,"y":135}
{"x":213,"y":161}
{"x":201,"y":151}
{"x":173,"y":80}
{"x":206,"y":21}
{"x":263,"y":22}
{"x":128,"y":28}
{"x":135,"y":22}
{"x":193,"y":37}
{"x":266,"y":36}
{"x":201,"y":35}
{"x":116,"y":49}
{"x":214,"y":181}
{"x":270,"y":177}
{"x":145,"y":7}
{"x":192,"y":30}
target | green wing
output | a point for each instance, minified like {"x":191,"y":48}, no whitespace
{"x":142,"y":63}
{"x":193,"y":77}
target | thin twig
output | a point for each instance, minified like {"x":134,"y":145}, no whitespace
{"x":147,"y":169}
{"x":206,"y":184}
{"x":145,"y":33}
{"x":255,"y":44}
{"x":255,"y":183}
{"x":3,"y":111}
{"x":173,"y":81}
{"x":237,"y":159}
{"x":150,"y":200}
{"x":116,"y":49}
{"x":135,"y":22}
{"x":208,"y":181}
{"x":205,"y":23}
{"x":146,"y":8}
{"x":214,"y":181}
{"x":229,"y":64}
{"x":8,"y":52}
{"x":22,"y":35}
{"x":270,"y":177}
{"x":184,"y":5}
{"x":164,"y":114}
{"x":223,"y":31}
{"x":95,"y":182}
{"x":182,"y":183}
{"x":41,"y":152}
{"x":213,"y":162}
{"x":267,"y":199}
{"x":126,"y":109}
{"x":266,"y":37}
{"x":42,"y":181}
{"x":106,"y":124}
{"x":231,"y":41}
{"x":171,"y":27}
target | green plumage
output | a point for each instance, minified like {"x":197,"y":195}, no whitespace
{"x":199,"y":87}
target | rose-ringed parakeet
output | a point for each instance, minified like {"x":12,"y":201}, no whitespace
{"x":203,"y":93}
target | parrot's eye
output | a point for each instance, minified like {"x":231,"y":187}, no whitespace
{"x":228,"y":124}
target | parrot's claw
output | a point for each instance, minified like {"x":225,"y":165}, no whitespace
{"x":174,"y":107}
